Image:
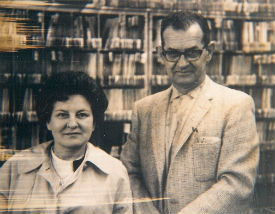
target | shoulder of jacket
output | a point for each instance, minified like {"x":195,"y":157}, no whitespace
{"x":229,"y":94}
{"x":153,"y":98}
{"x":228,"y":98}
{"x":29,"y":159}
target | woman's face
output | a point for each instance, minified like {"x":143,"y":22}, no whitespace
{"x":71,"y":123}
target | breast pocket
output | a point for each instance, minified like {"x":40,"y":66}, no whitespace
{"x":205,"y":157}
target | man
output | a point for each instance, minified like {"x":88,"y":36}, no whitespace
{"x":193,"y":148}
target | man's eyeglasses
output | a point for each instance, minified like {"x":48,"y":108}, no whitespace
{"x":174,"y":55}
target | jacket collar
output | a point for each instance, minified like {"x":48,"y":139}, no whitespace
{"x":159,"y":111}
{"x":98,"y":158}
{"x":37,"y":156}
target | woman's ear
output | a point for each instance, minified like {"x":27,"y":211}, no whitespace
{"x":210,"y":49}
{"x":48,"y":126}
{"x":93,"y":126}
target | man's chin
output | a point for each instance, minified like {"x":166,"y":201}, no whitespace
{"x":184,"y":82}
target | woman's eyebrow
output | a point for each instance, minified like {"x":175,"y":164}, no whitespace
{"x":62,"y":110}
{"x":83,"y":110}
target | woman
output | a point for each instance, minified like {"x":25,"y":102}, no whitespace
{"x":67,"y":174}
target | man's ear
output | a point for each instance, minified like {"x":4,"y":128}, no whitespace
{"x":159,"y":51}
{"x":160,"y":54}
{"x":210,"y":50}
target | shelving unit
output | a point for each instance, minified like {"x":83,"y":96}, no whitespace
{"x":116,"y":43}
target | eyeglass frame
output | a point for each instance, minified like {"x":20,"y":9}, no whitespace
{"x":184,"y":54}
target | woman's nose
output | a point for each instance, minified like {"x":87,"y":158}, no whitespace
{"x":72,"y":123}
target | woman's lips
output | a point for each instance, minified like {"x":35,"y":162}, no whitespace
{"x":73,"y":133}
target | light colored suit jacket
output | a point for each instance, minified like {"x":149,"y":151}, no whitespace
{"x":214,"y":156}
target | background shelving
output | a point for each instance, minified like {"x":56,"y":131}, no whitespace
{"x":117,"y":42}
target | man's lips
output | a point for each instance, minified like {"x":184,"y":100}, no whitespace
{"x":183,"y":72}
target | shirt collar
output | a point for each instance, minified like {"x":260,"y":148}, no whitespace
{"x":39,"y":155}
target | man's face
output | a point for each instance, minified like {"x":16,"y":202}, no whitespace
{"x":186,"y":71}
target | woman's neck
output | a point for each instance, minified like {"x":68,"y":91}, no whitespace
{"x":73,"y":153}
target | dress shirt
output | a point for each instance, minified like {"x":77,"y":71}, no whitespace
{"x":179,"y":106}
{"x":64,"y":168}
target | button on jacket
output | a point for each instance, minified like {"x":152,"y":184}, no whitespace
{"x":99,"y":186}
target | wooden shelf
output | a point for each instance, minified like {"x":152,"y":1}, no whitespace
{"x":5,"y":78}
{"x":224,"y":10}
{"x":5,"y":118}
{"x":258,"y":47}
{"x":5,"y":154}
{"x":266,"y":178}
{"x":119,"y":116}
{"x":31,"y":116}
{"x":241,"y":80}
{"x":264,"y":58}
{"x":160,"y":80}
{"x":23,"y":117}
{"x":119,"y":81}
{"x":267,"y":146}
{"x":164,"y":81}
{"x":266,"y":80}
{"x":250,"y":80}
{"x":265,"y":113}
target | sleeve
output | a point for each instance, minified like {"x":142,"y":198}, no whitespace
{"x":237,"y":167}
{"x":130,"y":158}
{"x":5,"y":176}
{"x":124,"y":202}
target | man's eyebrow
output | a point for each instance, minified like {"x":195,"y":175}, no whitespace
{"x":188,"y":49}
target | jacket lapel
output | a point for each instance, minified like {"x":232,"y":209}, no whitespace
{"x":159,"y":112}
{"x":195,"y":114}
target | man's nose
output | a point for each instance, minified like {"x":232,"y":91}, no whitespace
{"x":182,"y":61}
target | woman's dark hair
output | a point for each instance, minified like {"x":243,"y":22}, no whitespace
{"x":61,"y":85}
{"x":183,"y":20}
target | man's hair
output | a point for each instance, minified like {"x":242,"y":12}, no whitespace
{"x":182,"y":21}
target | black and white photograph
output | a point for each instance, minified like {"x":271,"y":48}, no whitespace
{"x":137,"y":106}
